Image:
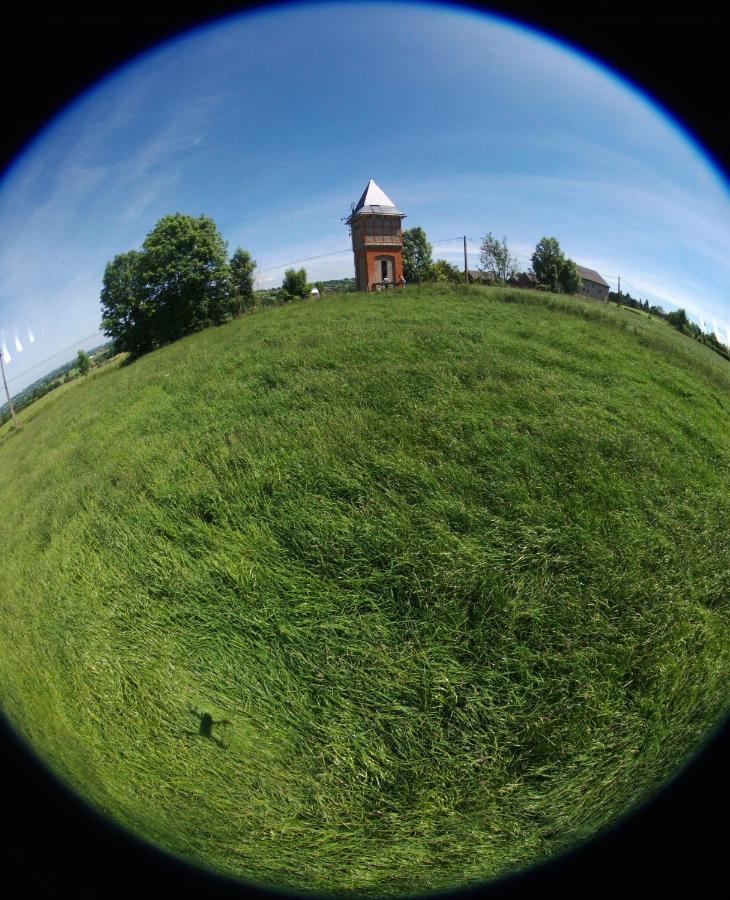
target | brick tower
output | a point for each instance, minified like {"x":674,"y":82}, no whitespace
{"x":377,"y":240}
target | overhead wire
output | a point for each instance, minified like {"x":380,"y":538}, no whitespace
{"x":54,"y":355}
{"x":306,"y":259}
{"x":476,"y":246}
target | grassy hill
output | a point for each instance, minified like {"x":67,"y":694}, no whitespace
{"x":52,"y":381}
{"x":452,"y":565}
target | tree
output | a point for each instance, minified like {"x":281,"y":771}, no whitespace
{"x":179,"y":282}
{"x":568,"y":277}
{"x":416,"y":255}
{"x":185,"y":274}
{"x":242,"y":267}
{"x":442,"y":270}
{"x":295,"y":283}
{"x":126,"y":314}
{"x":496,"y":258}
{"x":547,"y":262}
{"x":83,"y":362}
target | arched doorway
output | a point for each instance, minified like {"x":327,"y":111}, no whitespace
{"x":385,"y":268}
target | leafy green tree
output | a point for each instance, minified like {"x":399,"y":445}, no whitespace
{"x":83,"y":363}
{"x":416,"y":255}
{"x":547,"y":262}
{"x":179,"y":282}
{"x":496,"y":258}
{"x":185,"y":273}
{"x":126,"y":313}
{"x":443,"y":270}
{"x":295,"y":283}
{"x":568,"y":277}
{"x":242,"y":267}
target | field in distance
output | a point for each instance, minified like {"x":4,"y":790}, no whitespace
{"x":375,"y":594}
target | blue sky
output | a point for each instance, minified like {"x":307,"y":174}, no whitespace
{"x":272,"y":123}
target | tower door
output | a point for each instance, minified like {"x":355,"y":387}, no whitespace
{"x":385,"y":268}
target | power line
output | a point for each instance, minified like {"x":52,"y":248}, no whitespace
{"x":54,"y":355}
{"x":476,"y":242}
{"x":306,"y":259}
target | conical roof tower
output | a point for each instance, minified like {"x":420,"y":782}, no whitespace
{"x":377,"y":240}
{"x":375,"y":200}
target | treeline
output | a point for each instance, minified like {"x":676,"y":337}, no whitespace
{"x":551,"y":269}
{"x":182,"y":280}
{"x":34,"y":392}
{"x":677,"y":319}
{"x":295,"y":285}
{"x":81,"y":365}
{"x":336,"y":286}
{"x":627,"y":300}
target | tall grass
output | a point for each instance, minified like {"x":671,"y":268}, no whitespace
{"x":453,"y":564}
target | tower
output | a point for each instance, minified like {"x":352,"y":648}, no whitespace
{"x":377,"y":240}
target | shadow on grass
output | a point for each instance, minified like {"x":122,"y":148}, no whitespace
{"x":205,"y":728}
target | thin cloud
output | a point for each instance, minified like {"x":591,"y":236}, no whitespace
{"x":201,"y":126}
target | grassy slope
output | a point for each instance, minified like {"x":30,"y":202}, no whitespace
{"x":456,"y":570}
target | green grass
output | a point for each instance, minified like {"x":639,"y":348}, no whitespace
{"x":453,"y":563}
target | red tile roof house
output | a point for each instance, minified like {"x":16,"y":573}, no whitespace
{"x":592,"y":284}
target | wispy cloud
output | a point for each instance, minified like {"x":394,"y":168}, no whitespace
{"x":53,"y":239}
{"x":273,"y":149}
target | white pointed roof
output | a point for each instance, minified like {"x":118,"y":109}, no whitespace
{"x":375,"y":200}
{"x":374,"y":195}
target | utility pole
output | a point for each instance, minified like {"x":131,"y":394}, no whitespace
{"x":7,"y":392}
{"x":619,"y":291}
{"x":466,"y":271}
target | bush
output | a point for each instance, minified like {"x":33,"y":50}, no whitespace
{"x":83,"y":362}
{"x":295,"y":283}
{"x":442,"y":270}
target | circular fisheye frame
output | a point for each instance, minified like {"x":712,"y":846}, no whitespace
{"x":363,"y":452}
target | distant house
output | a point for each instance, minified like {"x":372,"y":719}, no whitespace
{"x":524,"y":280}
{"x":592,"y":285}
{"x":476,"y":276}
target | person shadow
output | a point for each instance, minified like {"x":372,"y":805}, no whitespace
{"x":206,"y":722}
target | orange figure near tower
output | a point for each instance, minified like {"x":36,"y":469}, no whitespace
{"x":377,"y":240}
